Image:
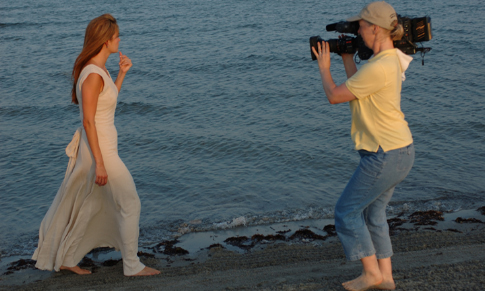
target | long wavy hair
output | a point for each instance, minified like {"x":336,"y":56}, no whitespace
{"x":99,"y":31}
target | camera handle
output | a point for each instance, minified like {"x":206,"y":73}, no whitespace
{"x":423,"y":50}
{"x":357,"y":60}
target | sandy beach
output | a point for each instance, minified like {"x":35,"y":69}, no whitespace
{"x":433,"y":251}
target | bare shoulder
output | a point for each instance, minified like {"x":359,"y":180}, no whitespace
{"x":93,"y":82}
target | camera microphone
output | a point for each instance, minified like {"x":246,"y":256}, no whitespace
{"x":344,"y":27}
{"x":331,"y":27}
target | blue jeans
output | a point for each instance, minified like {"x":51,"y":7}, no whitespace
{"x":360,"y":213}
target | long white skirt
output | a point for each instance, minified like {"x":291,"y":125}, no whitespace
{"x":84,"y":215}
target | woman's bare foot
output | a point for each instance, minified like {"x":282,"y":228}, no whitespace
{"x":386,"y":285}
{"x":147,"y":271}
{"x":76,"y":270}
{"x":364,"y":282}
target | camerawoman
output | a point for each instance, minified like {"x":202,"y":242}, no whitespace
{"x":379,"y":131}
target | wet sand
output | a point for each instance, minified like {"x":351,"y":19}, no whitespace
{"x":430,"y":254}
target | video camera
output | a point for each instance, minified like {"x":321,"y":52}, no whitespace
{"x":415,"y":30}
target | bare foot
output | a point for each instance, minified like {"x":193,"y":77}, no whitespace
{"x":386,"y":285}
{"x":76,"y":270}
{"x":363,"y":282}
{"x":147,"y":271}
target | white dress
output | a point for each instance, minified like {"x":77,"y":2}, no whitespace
{"x":84,"y":215}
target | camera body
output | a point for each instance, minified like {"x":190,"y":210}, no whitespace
{"x":345,"y":45}
{"x":415,"y":30}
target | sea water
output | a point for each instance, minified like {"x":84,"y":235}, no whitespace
{"x":222,"y":119}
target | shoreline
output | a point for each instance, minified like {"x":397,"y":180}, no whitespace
{"x":431,"y":251}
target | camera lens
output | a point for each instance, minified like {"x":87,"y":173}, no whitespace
{"x":333,"y":45}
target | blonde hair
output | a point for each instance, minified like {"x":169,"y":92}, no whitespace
{"x":397,"y":32}
{"x":99,"y":30}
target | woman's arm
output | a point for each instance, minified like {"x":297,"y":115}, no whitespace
{"x":125,"y":65}
{"x":335,"y":94}
{"x":91,"y":88}
{"x":349,"y":65}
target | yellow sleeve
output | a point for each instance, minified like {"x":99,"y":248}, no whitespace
{"x":369,"y":79}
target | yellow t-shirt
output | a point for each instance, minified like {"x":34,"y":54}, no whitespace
{"x":377,"y":119}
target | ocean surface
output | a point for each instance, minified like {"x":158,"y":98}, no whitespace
{"x":222,"y":119}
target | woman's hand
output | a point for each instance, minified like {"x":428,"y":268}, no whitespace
{"x":101,"y":175}
{"x":323,"y":55}
{"x":335,"y":94}
{"x":125,"y":63}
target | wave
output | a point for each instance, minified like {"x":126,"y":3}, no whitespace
{"x":24,"y":244}
{"x":179,"y":228}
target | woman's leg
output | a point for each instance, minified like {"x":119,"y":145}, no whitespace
{"x":385,"y":267}
{"x":360,"y":217}
{"x":376,"y":274}
{"x":371,"y":275}
{"x":376,"y":221}
{"x":363,"y":189}
{"x":127,"y":213}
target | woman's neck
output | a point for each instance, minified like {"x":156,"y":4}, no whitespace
{"x":382,"y":45}
{"x":100,"y":59}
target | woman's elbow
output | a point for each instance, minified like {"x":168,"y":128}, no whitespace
{"x":332,"y":100}
{"x":88,"y":124}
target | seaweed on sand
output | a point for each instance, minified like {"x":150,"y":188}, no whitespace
{"x":426,"y":217}
{"x":20,"y":265}
{"x":242,"y":242}
{"x":270,"y":237}
{"x":307,"y":234}
{"x":330,"y":229}
{"x":169,"y":248}
{"x":467,"y":220}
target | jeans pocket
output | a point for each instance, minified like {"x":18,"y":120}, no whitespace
{"x":372,"y":164}
{"x":405,"y":159}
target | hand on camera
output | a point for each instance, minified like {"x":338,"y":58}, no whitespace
{"x":323,"y":55}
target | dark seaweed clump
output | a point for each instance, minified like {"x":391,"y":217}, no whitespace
{"x":87,"y":263}
{"x":146,"y":255}
{"x":330,"y":229}
{"x":169,"y":248}
{"x":394,"y":224}
{"x":426,"y":217}
{"x":20,"y":265}
{"x":246,"y":243}
{"x":242,"y":242}
{"x":307,"y":234}
{"x":260,"y":237}
{"x":467,"y":220}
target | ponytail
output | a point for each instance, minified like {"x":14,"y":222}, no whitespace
{"x":397,"y":32}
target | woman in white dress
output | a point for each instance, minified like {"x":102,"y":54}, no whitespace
{"x":97,"y":204}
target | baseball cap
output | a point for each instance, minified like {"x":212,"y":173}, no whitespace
{"x":379,"y":13}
